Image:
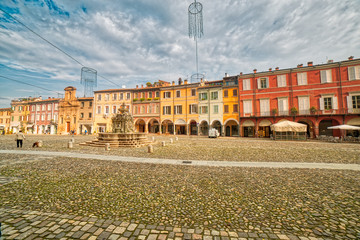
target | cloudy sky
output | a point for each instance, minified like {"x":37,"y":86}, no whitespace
{"x":132,"y":42}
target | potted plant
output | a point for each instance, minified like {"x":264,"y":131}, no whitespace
{"x":313,"y":110}
{"x":274,"y":111}
{"x":142,"y":99}
{"x":135,"y":99}
{"x":149,"y":99}
{"x":293,"y":111}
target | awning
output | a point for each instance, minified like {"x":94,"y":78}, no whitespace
{"x":354,"y":121}
{"x":288,"y":126}
{"x":180,"y":122}
{"x":345,"y":127}
{"x":248,"y":123}
{"x":264,"y":123}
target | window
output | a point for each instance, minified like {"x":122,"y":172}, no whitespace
{"x":157,"y":94}
{"x":247,"y":105}
{"x":48,"y":117}
{"x":157,"y":109}
{"x":166,"y":110}
{"x":178,"y":109}
{"x":328,"y":103}
{"x":42,"y":117}
{"x":283,"y":106}
{"x":167,"y":94}
{"x":33,"y":108}
{"x":82,"y":104}
{"x":302,"y":78}
{"x":202,"y":96}
{"x":128,"y":96}
{"x":226,"y":108}
{"x":81,"y":115}
{"x":90,"y":115}
{"x":121,"y":96}
{"x":98,"y":110}
{"x":107,"y":97}
{"x":226,"y":94}
{"x":55,"y":117}
{"x":193,"y":108}
{"x":203,"y":109}
{"x":99,"y":97}
{"x":216,"y":109}
{"x":281,"y":80}
{"x":143,"y":95}
{"x":178,"y":93}
{"x":235,"y":108}
{"x":57,"y":106}
{"x":49,"y":107}
{"x":37,"y":117}
{"x":114,"y":109}
{"x":193,"y":92}
{"x":150,"y":94}
{"x":74,"y":119}
{"x":149,"y":109}
{"x":90,"y":104}
{"x":325,"y":76}
{"x":214,"y":95}
{"x":20,"y":117}
{"x":355,"y":102}
{"x":235,"y":93}
{"x":304,"y":105}
{"x":107,"y":109}
{"x":114,"y":97}
{"x":264,"y":107}
{"x":246,"y":84}
{"x":42,"y":107}
{"x":32,"y":117}
{"x":354,"y":72}
{"x":38,"y":107}
{"x":142,"y":109}
{"x":263,"y":83}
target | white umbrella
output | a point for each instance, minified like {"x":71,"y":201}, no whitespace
{"x":345,"y":127}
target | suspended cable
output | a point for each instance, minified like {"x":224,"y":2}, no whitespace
{"x":52,"y":44}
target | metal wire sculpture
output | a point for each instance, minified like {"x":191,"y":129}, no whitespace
{"x":89,"y":80}
{"x":196,"y":30}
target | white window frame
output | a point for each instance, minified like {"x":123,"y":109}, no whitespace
{"x":203,"y":95}
{"x":201,"y":108}
{"x":247,"y":106}
{"x":178,"y":109}
{"x":166,"y":110}
{"x":334,"y":102}
{"x":283,"y":106}
{"x":326,"y":76}
{"x":259,"y":80}
{"x":214,"y":95}
{"x":354,"y":73}
{"x":302,"y":78}
{"x":265,"y":107}
{"x":301,"y":104}
{"x":114,"y":96}
{"x":167,"y":94}
{"x":98,"y":111}
{"x":193,"y":109}
{"x":121,"y":96}
{"x":193,"y":92}
{"x":281,"y":80}
{"x":106,"y":109}
{"x":99,"y":97}
{"x":216,"y":109}
{"x":178,"y":93}
{"x":246,"y":84}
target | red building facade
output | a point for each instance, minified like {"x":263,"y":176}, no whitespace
{"x":316,"y":95}
{"x":44,"y":115}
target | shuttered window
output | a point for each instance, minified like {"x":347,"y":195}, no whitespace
{"x":354,"y":73}
{"x":326,"y":76}
{"x":281,"y":80}
{"x":302,"y":78}
{"x":247,"y":105}
{"x":246,"y":84}
{"x":264,"y":107}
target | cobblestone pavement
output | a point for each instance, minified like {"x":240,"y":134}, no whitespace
{"x":48,"y":155}
{"x":158,"y":201}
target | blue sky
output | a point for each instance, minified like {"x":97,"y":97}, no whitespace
{"x":133,"y":42}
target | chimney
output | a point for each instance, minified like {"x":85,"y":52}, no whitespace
{"x":173,"y":83}
{"x":277,"y":68}
{"x":299,"y":65}
{"x":49,"y":97}
{"x":137,"y":86}
{"x":310,"y":64}
{"x":180,"y":81}
{"x":351,"y":58}
{"x":185,"y":81}
{"x":255,"y":70}
{"x":270,"y":69}
{"x":241,"y":73}
{"x":142,"y":86}
{"x":226,"y":75}
{"x":330,"y":61}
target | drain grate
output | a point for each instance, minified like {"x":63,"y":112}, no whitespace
{"x":187,"y":162}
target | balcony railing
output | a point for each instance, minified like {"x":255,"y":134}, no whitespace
{"x":285,"y":113}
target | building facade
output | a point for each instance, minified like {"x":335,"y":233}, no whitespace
{"x":44,"y":115}
{"x":5,"y":117}
{"x":86,"y":115}
{"x":231,"y":107}
{"x":319,"y":96}
{"x":69,"y":112}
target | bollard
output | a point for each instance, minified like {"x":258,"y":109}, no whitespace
{"x":150,"y":149}
{"x":153,"y":139}
{"x":70,"y":144}
{"x":40,"y":143}
{"x":163,"y":143}
{"x":176,"y":139}
{"x":72,"y":139}
{"x":107,"y":146}
{"x":171,"y":140}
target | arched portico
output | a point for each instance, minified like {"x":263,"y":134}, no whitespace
{"x":204,"y":128}
{"x":217,"y":125}
{"x":231,"y":127}
{"x":180,"y":127}
{"x":248,"y":128}
{"x":140,"y":125}
{"x":153,"y":126}
{"x":167,"y":126}
{"x":193,"y":127}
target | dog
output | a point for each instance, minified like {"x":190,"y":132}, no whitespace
{"x":37,"y":144}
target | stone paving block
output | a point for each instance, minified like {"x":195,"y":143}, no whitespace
{"x":127,"y":234}
{"x":119,"y":230}
{"x":207,"y":238}
{"x":104,"y":235}
{"x":152,"y":237}
{"x":77,"y":234}
{"x":85,"y":236}
{"x":114,"y":237}
{"x":132,"y":227}
{"x":283,"y":237}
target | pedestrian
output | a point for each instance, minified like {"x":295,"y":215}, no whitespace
{"x":19,"y":139}
{"x":85,"y":132}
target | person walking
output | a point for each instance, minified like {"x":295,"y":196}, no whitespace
{"x":19,"y":139}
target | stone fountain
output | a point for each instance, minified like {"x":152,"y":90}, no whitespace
{"x":123,"y":132}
